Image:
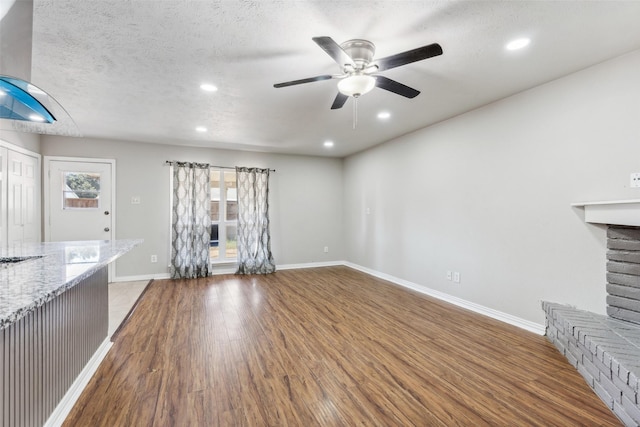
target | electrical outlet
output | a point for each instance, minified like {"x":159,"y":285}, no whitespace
{"x":635,"y":180}
{"x":154,"y":258}
{"x":326,"y":249}
{"x":449,"y":275}
{"x":135,"y":200}
{"x":456,"y":277}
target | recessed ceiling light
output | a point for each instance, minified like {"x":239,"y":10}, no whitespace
{"x":201,"y":129}
{"x":328,"y":144}
{"x":207,"y":87}
{"x":518,"y":43}
{"x":383,"y":115}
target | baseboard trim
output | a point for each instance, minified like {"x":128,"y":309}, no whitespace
{"x":141,"y":277}
{"x":65,"y":406}
{"x":219,"y":269}
{"x":536,"y":328}
{"x":480,"y":309}
{"x":215,"y":272}
{"x":223,"y":269}
{"x":309,"y":265}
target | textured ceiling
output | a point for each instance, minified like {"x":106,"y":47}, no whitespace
{"x":131,"y":69}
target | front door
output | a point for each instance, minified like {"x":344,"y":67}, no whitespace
{"x":79,"y":199}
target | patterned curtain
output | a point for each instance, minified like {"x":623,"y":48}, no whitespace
{"x":191,"y":220}
{"x":254,"y":240}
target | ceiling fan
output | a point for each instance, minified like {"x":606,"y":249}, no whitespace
{"x":359,"y":68}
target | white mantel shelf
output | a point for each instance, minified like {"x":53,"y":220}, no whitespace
{"x":616,"y":212}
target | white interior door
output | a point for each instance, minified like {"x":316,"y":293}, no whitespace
{"x":79,"y":194}
{"x":23,"y":219}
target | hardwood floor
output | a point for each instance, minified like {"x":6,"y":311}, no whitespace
{"x":331,"y":347}
{"x":122,"y":297}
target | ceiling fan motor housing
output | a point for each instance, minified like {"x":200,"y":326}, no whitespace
{"x":361,"y":51}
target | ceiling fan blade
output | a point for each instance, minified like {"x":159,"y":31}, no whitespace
{"x":395,"y":87}
{"x":339,"y":101}
{"x":301,"y":81}
{"x":409,"y":56}
{"x":334,"y":50}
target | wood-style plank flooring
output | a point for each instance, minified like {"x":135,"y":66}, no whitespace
{"x":326,"y":347}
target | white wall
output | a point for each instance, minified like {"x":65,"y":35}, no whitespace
{"x":305,"y":198}
{"x":487,"y":194}
{"x":28,"y":141}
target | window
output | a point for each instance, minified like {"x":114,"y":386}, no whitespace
{"x":81,"y":190}
{"x":224,"y":216}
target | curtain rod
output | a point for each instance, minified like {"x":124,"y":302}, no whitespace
{"x":170,"y":162}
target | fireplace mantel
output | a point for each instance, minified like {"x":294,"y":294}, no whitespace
{"x":616,"y":212}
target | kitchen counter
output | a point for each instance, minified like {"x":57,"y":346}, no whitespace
{"x":52,"y":269}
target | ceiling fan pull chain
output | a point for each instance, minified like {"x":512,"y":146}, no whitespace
{"x":355,"y":112}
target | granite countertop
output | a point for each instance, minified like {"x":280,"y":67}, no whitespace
{"x":51,"y":269}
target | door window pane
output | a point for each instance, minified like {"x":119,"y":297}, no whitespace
{"x":81,"y":190}
{"x":231,"y":193}
{"x":214,"y":236}
{"x":232,"y":210}
{"x":215,"y":196}
{"x":224,"y":215}
{"x":231,"y":250}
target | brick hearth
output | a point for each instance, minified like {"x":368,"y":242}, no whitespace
{"x":605,"y":351}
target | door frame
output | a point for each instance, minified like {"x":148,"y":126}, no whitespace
{"x":47,"y":195}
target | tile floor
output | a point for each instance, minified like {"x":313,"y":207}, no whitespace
{"x":122,"y":296}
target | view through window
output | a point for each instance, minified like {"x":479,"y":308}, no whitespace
{"x":81,"y":190}
{"x":224,"y":216}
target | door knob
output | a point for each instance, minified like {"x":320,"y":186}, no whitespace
{"x":106,"y":212}
{"x":106,"y":229}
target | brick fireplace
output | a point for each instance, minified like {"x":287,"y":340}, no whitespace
{"x":623,"y":273}
{"x":606,"y":349}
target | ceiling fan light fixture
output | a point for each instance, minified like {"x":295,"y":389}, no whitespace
{"x":356,"y":85}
